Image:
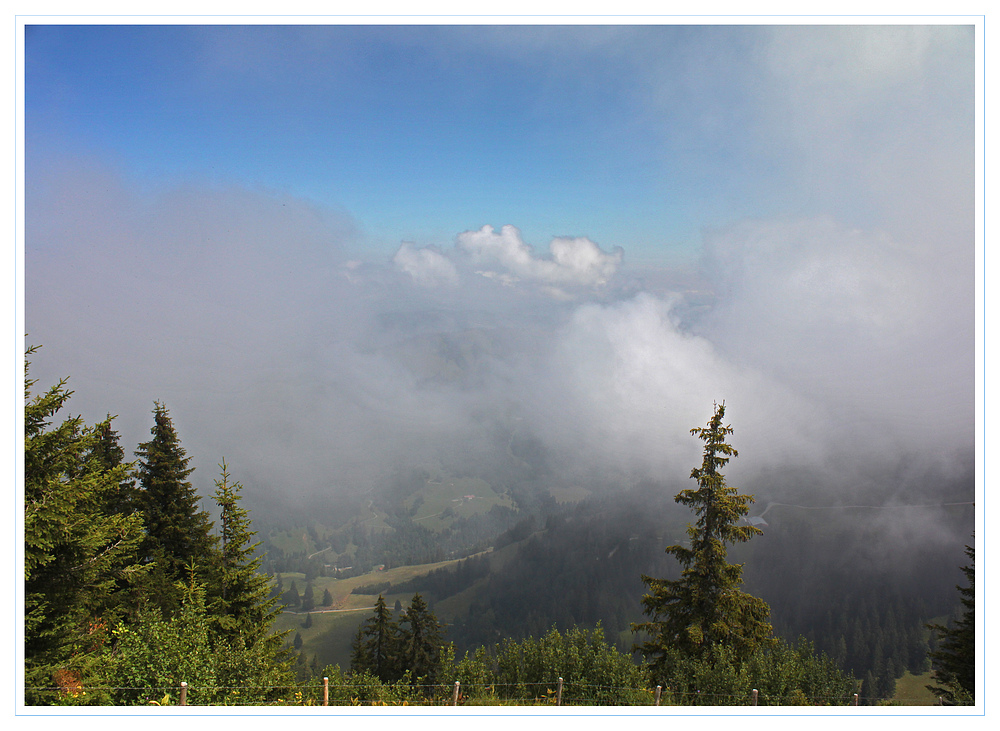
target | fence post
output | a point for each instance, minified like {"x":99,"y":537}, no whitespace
{"x":326,"y":691}
{"x":754,"y":701}
{"x":184,"y":693}
{"x":454,"y":696}
{"x":659,"y":689}
{"x":855,"y":699}
{"x":559,"y":693}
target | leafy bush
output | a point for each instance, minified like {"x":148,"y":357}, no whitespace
{"x":782,"y":674}
{"x":593,"y":671}
{"x":153,"y":655}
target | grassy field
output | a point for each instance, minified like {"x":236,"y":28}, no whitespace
{"x":444,"y":499}
{"x":911,"y":691}
{"x":297,"y":541}
{"x":333,"y":628}
{"x":330,"y":636}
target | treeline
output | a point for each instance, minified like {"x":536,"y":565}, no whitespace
{"x":581,"y":566}
{"x":129,"y":584}
{"x":593,"y":671}
{"x":868,"y":612}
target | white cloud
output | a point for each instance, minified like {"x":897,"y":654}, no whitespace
{"x":874,"y":328}
{"x":625,"y":385}
{"x":427,"y":266}
{"x":576,"y":261}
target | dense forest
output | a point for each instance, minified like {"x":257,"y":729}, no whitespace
{"x":132,"y":587}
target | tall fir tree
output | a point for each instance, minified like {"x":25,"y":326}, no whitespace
{"x":954,"y":661}
{"x":291,"y":597}
{"x":420,"y":641}
{"x":375,"y":647}
{"x":308,"y":598}
{"x":178,"y":531}
{"x":705,"y":607}
{"x":77,"y":555}
{"x":247,"y":608}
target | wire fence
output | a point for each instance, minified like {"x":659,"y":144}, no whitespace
{"x":556,"y":693}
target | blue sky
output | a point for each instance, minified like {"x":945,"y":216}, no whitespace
{"x":286,"y":233}
{"x":632,"y":136}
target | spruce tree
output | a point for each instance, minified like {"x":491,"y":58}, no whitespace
{"x":291,"y":597}
{"x":308,"y":598}
{"x":705,"y":607}
{"x":375,"y":647}
{"x":420,"y":641}
{"x":248,"y":608}
{"x":77,"y":555}
{"x":178,"y":531}
{"x":954,"y":662}
{"x":108,"y":453}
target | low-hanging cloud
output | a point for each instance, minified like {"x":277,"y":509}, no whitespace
{"x":626,"y":383}
{"x":870,"y":326}
{"x":310,"y":370}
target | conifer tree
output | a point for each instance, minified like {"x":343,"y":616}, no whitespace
{"x":178,"y":531}
{"x":420,"y":641}
{"x":109,"y":454}
{"x":291,"y":597}
{"x":954,"y":662}
{"x":248,"y":609}
{"x":375,"y":647}
{"x":77,"y":556}
{"x":705,"y":607}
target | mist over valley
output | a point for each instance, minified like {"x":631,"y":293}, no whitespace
{"x":468,"y":363}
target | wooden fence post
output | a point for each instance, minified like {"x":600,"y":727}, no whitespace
{"x":326,"y":691}
{"x":659,"y":689}
{"x":184,"y":693}
{"x":559,"y":693}
{"x":754,"y":701}
{"x":454,"y":696}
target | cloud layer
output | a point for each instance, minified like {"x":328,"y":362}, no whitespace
{"x":310,"y":369}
